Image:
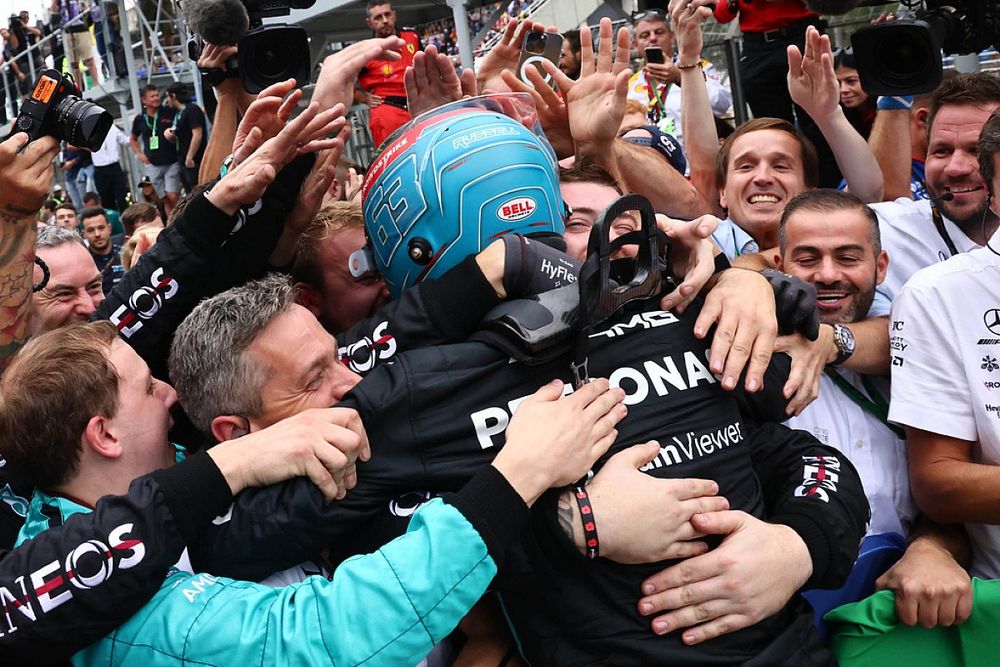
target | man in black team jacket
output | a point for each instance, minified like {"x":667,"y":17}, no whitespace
{"x":437,"y":414}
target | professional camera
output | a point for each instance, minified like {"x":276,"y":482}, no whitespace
{"x":267,"y":54}
{"x":903,"y":57}
{"x":54,"y":109}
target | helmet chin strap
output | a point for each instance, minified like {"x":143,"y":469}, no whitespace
{"x":600,"y":295}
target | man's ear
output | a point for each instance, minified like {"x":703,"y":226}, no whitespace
{"x":100,"y":439}
{"x":305,"y":296}
{"x":229,"y":427}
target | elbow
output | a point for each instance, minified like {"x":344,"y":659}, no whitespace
{"x":938,"y":499}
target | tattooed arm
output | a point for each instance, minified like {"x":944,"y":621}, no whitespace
{"x":639,"y":518}
{"x":25,"y":178}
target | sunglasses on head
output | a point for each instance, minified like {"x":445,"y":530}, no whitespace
{"x":654,"y":13}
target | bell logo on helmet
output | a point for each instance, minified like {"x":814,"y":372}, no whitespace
{"x":517,"y":209}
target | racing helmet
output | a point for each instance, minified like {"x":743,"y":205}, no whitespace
{"x":451,"y":181}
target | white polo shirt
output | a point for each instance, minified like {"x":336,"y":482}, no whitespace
{"x":912,"y":240}
{"x":640,"y":90}
{"x":877,"y":453}
{"x":945,"y":372}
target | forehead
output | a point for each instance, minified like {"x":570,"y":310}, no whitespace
{"x":65,"y":211}
{"x":962,"y":121}
{"x":828,"y":229}
{"x":292,"y":341}
{"x":379,"y":10}
{"x":336,"y":249}
{"x":95,"y":220}
{"x":69,"y":264}
{"x":765,"y":143}
{"x":651,"y":25}
{"x":129,"y":365}
{"x":844,"y":72}
{"x":594,"y":196}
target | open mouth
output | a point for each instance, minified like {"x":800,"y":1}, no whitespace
{"x":829,"y":300}
{"x":964,"y":190}
{"x":763,"y":198}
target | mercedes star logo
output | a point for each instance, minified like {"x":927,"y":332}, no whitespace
{"x":991,"y":318}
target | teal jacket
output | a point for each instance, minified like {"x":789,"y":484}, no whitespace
{"x":386,"y":608}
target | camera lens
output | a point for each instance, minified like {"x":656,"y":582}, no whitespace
{"x":81,"y":123}
{"x":269,"y":62}
{"x":273,"y":53}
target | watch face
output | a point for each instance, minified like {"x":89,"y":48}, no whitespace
{"x":846,"y":339}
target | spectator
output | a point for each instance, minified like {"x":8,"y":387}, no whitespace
{"x":137,"y":244}
{"x":74,"y":288}
{"x":140,"y":215}
{"x":858,"y":105}
{"x":66,"y":216}
{"x":74,"y":160}
{"x":17,"y":79}
{"x":76,"y":32}
{"x":105,"y":250}
{"x":657,"y":85}
{"x":109,"y":179}
{"x":157,"y":154}
{"x":768,"y":30}
{"x":831,"y":240}
{"x":380,"y":84}
{"x":93,"y":200}
{"x":189,"y":132}
{"x":569,"y":57}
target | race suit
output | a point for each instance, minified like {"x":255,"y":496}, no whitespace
{"x":387,"y":608}
{"x":48,"y":615}
{"x":385,"y":79}
{"x":438,"y":414}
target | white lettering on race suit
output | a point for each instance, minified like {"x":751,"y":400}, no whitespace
{"x":86,"y":566}
{"x":660,"y":377}
{"x":144,"y":303}
{"x":820,"y":475}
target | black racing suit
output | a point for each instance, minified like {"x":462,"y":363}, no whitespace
{"x":438,"y":414}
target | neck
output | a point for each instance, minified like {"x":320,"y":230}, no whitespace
{"x":975,"y":230}
{"x":77,"y":493}
{"x":151,"y":111}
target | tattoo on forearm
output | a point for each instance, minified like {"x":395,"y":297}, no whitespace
{"x":566,"y":516}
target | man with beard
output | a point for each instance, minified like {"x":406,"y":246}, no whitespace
{"x":380,"y":84}
{"x":830,"y":239}
{"x":957,"y":218}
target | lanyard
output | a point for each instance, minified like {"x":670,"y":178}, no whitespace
{"x":655,"y":94}
{"x":939,"y":225}
{"x":876,"y":406}
{"x":152,"y":126}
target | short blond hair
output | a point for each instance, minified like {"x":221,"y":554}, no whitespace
{"x":335,"y":216}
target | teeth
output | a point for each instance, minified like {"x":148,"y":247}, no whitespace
{"x":964,"y":190}
{"x":767,"y":199}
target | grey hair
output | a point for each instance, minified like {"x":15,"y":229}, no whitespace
{"x":208,"y":366}
{"x":51,"y":236}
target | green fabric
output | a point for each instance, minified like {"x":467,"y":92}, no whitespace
{"x":115,"y":220}
{"x":867,"y":633}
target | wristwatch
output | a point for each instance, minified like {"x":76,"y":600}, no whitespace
{"x":843,"y":338}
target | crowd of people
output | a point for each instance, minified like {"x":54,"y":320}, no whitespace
{"x":569,"y":374}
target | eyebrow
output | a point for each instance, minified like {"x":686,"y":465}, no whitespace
{"x":841,"y":248}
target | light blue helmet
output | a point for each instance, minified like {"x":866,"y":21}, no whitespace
{"x":453,"y":180}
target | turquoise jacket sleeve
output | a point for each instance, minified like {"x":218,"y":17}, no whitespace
{"x":385,"y":608}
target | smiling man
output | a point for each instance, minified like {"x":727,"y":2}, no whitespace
{"x":830,"y":239}
{"x":957,"y":217}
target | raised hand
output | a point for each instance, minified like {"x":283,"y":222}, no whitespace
{"x":432,"y":81}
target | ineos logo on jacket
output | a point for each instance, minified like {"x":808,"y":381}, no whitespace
{"x":144,"y":303}
{"x":87,"y":566}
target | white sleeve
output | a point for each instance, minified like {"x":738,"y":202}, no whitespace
{"x":929,"y":386}
{"x":719,"y":96}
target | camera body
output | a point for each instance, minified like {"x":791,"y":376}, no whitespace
{"x":54,"y":109}
{"x":903,"y":57}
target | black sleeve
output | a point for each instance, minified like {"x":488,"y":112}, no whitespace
{"x":196,"y":117}
{"x":152,"y":299}
{"x":136,"y":127}
{"x":768,"y":404}
{"x":446,"y":310}
{"x":206,"y":251}
{"x":47,"y":619}
{"x":816,"y":491}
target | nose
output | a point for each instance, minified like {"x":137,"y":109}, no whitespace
{"x":762,"y":174}
{"x":827,"y":272}
{"x":962,"y":163}
{"x":86,"y":304}
{"x":344,"y":379}
{"x":165,"y":393}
